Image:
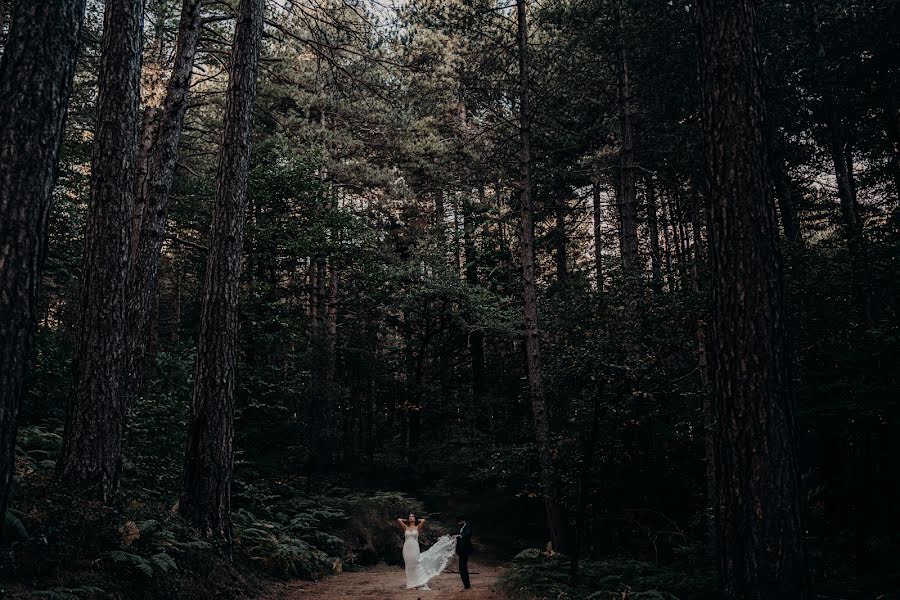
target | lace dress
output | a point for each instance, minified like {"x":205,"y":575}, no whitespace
{"x":422,"y":567}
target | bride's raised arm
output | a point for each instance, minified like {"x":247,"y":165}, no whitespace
{"x":421,"y":523}
{"x":401,"y":522}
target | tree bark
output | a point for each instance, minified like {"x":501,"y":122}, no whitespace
{"x":555,"y":519}
{"x":92,"y":445}
{"x":36,"y":72}
{"x":152,"y":187}
{"x":759,"y":533}
{"x":206,"y":494}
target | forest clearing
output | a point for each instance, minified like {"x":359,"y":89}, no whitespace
{"x":385,"y":583}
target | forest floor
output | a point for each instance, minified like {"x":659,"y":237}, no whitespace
{"x":387,"y":583}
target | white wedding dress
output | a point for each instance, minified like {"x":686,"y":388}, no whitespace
{"x":425,"y":566}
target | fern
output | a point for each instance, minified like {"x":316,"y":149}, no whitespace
{"x":80,"y":593}
{"x":13,"y":528}
{"x":157,"y":564}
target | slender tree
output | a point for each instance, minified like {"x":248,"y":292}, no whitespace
{"x":95,"y":422}
{"x":597,"y":197}
{"x":555,"y":520}
{"x":653,"y":229}
{"x":476,"y":336}
{"x":206,"y":493}
{"x":759,"y":534}
{"x":36,"y":73}
{"x":627,"y":192}
{"x":842,"y":159}
{"x":152,"y":187}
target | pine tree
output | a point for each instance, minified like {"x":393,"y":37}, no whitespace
{"x":36,"y":72}
{"x":95,"y":422}
{"x":759,"y":535}
{"x":206,"y":493}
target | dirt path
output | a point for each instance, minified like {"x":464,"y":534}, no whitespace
{"x":387,"y":583}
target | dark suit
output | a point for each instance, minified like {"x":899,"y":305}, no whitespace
{"x":463,"y":550}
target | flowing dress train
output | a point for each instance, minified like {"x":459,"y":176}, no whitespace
{"x":422,"y":567}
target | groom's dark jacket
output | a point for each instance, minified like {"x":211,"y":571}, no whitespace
{"x":464,"y":543}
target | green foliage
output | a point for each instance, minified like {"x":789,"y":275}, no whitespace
{"x":536,"y":575}
{"x":14,"y":529}
{"x":159,"y":564}
{"x":277,"y":551}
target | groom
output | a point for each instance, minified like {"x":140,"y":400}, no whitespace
{"x":464,"y":549}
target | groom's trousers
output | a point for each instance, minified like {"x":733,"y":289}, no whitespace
{"x":464,"y":570}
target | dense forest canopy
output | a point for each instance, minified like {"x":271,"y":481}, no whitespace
{"x":617,"y":279}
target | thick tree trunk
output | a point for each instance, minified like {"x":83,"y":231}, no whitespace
{"x":206,"y":494}
{"x":95,"y":422}
{"x":154,"y":181}
{"x":653,"y":230}
{"x":555,"y":518}
{"x":36,"y":73}
{"x":760,"y":538}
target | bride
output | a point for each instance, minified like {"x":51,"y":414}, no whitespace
{"x":425,"y":566}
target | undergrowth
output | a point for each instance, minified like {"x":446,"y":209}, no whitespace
{"x":536,"y":575}
{"x":60,"y":547}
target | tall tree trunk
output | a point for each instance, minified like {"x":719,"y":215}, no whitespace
{"x":783,"y":187}
{"x":561,"y":240}
{"x":95,"y":423}
{"x":700,"y":272}
{"x":36,"y":72}
{"x":759,"y":533}
{"x":667,"y":244}
{"x":152,"y":93}
{"x":678,"y":245}
{"x":324,"y":362}
{"x":627,"y":192}
{"x":476,"y":336}
{"x":154,"y":183}
{"x":206,"y":494}
{"x":555,"y":518}
{"x":653,"y":230}
{"x":598,"y":226}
